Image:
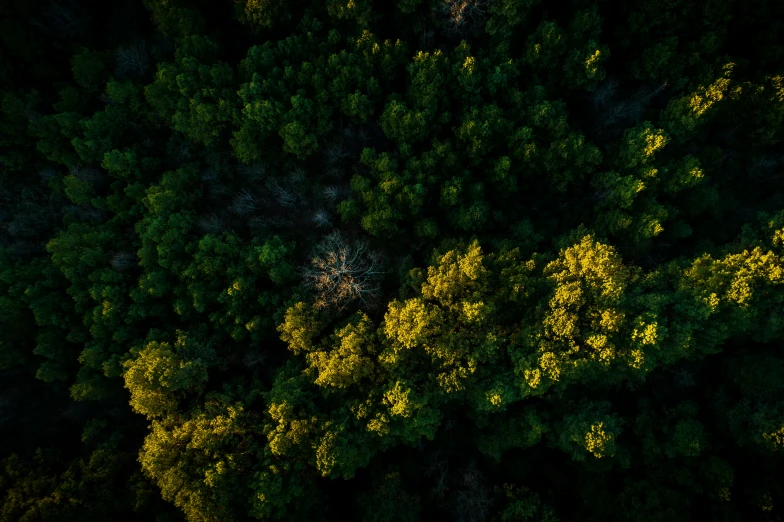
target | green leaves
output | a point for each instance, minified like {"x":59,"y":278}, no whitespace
{"x":196,"y":94}
{"x":402,"y":124}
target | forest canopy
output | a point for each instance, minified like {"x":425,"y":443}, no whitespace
{"x":473,"y":260}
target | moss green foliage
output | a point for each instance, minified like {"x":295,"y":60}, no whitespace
{"x":487,"y":260}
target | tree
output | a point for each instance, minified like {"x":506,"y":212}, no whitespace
{"x":343,"y":271}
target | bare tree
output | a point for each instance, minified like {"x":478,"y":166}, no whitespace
{"x":473,"y":502}
{"x":297,"y":176}
{"x":332,"y":193}
{"x":47,"y":174}
{"x":255,"y":172}
{"x":285,"y":196}
{"x":131,"y":60}
{"x":86,"y":174}
{"x":343,"y":271}
{"x":463,"y":16}
{"x":124,"y":261}
{"x":245,"y":203}
{"x":212,"y":224}
{"x":348,"y":132}
{"x":63,"y":19}
{"x":335,"y":153}
{"x":94,"y":214}
{"x":255,"y":359}
{"x":363,"y":135}
{"x":184,"y":153}
{"x":264,"y":222}
{"x":321,"y":219}
{"x":604,"y":93}
{"x":427,"y":40}
{"x":20,"y":228}
{"x":766,"y":168}
{"x":683,"y":378}
{"x":106,"y":99}
{"x":627,"y":109}
{"x":210,"y":176}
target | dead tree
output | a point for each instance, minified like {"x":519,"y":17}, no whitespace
{"x":131,"y":60}
{"x":342,"y":272}
{"x":255,"y":359}
{"x":321,"y":219}
{"x":464,"y":16}
{"x":212,"y":224}
{"x":245,"y":203}
{"x":124,"y":261}
{"x":474,"y":500}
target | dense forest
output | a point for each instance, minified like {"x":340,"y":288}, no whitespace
{"x":472,"y":260}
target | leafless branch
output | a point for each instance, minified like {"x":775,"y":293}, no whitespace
{"x":335,"y":153}
{"x":212,"y":224}
{"x":463,"y":16}
{"x":254,"y":359}
{"x":245,"y":203}
{"x":131,"y":60}
{"x":343,"y":271}
{"x":124,"y":261}
{"x":321,"y":219}
{"x":255,"y":172}
{"x":269,"y":222}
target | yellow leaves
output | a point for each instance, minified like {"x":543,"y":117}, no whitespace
{"x":569,"y":294}
{"x":599,"y":442}
{"x":157,"y":378}
{"x":533,"y":378}
{"x":299,"y":328}
{"x":453,"y":380}
{"x":346,"y":363}
{"x":400,"y":400}
{"x":536,"y":49}
{"x":654,"y":142}
{"x":473,"y":312}
{"x":734,"y":277}
{"x":695,"y":174}
{"x":636,"y":359}
{"x":644,"y":334}
{"x":561,"y":324}
{"x":325,"y":454}
{"x":702,"y":100}
{"x":289,"y":432}
{"x":495,"y":398}
{"x":684,"y":114}
{"x":379,"y":424}
{"x":594,"y":266}
{"x":456,"y":273}
{"x":469,"y":64}
{"x":581,"y":332}
{"x":647,"y":173}
{"x":775,"y":438}
{"x":640,"y":145}
{"x":450,"y":330}
{"x":712,"y":302}
{"x":549,"y":363}
{"x":592,"y":63}
{"x":411,"y":323}
{"x":603,"y":350}
{"x":611,"y":321}
{"x":778,"y":87}
{"x":778,"y":237}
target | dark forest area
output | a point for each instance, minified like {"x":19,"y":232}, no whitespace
{"x":470,"y":260}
